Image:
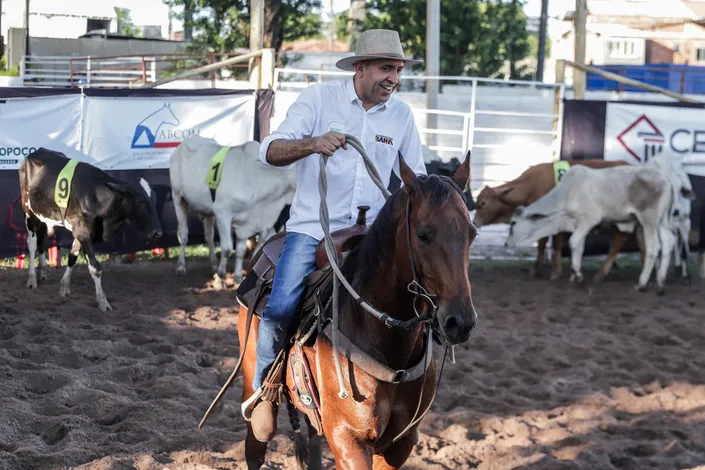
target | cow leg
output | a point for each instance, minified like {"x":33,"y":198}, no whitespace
{"x":42,"y":237}
{"x":667,"y":243}
{"x":65,"y":284}
{"x":181,"y":209}
{"x":557,"y":256}
{"x":540,"y":252}
{"x":577,"y":247}
{"x":96,"y":273}
{"x":616,"y":244}
{"x":32,"y":224}
{"x":240,"y":249}
{"x":209,"y":235}
{"x":224,"y":223}
{"x":685,"y":254}
{"x":651,"y":249}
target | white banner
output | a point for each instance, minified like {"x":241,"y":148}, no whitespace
{"x":636,"y":132}
{"x":138,"y":133}
{"x":29,"y":123}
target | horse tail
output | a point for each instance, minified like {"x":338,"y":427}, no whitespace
{"x":300,"y":445}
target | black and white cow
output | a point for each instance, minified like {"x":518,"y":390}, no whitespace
{"x":98,"y":205}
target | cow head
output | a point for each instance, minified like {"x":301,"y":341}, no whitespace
{"x":140,"y":207}
{"x":490,"y":208}
{"x":531,"y":223}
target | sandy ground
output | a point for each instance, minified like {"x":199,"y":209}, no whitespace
{"x":599,"y":377}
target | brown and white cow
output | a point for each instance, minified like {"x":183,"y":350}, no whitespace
{"x":496,"y":206}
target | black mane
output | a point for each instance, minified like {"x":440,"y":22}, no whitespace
{"x":378,"y":243}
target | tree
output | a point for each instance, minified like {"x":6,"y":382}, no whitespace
{"x":224,"y":25}
{"x":478,"y":37}
{"x":125,"y":26}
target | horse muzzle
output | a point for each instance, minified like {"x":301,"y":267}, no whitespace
{"x":457,"y":324}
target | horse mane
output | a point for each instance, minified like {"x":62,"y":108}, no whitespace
{"x":377,"y":245}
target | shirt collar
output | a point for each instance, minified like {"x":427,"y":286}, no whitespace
{"x":352,"y":96}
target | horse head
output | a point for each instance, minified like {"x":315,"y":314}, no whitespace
{"x":436,"y":239}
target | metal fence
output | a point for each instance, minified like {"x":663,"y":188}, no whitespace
{"x":119,"y":71}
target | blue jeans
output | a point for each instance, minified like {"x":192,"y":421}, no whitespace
{"x":298,"y":259}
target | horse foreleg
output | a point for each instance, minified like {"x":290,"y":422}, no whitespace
{"x":350,"y":453}
{"x":209,"y":235}
{"x":397,"y":454}
{"x":224,"y":221}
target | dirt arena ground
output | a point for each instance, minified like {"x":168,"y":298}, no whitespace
{"x":600,"y":377}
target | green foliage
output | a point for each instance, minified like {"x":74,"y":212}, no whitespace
{"x":224,"y":25}
{"x":13,"y":72}
{"x":125,"y":25}
{"x":478,"y":37}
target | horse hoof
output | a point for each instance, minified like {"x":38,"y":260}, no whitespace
{"x":31,"y":283}
{"x":576,"y":278}
{"x":104,"y":306}
{"x":43,"y":277}
{"x":599,"y":277}
{"x":640,"y":288}
{"x":555,"y":276}
{"x":661,"y":290}
{"x":217,"y":282}
{"x":181,"y":270}
{"x":64,"y":291}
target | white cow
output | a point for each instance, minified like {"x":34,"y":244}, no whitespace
{"x":249,"y":197}
{"x":625,"y":195}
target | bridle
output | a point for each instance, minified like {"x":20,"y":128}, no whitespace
{"x":415,"y":287}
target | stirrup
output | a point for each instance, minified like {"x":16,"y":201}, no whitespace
{"x":246,"y":407}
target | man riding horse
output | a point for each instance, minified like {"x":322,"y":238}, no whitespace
{"x":315,"y":124}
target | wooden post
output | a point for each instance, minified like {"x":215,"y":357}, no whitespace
{"x":558,"y":95}
{"x":267,"y":68}
{"x":579,"y":19}
{"x":433,"y":64}
{"x":26,"y":28}
{"x":256,"y":41}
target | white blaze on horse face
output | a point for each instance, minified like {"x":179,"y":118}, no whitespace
{"x":147,"y":188}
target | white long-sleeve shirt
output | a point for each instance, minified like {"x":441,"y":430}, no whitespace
{"x":383,"y":130}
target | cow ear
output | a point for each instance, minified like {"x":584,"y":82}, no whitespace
{"x":688,"y":193}
{"x":120,"y":187}
{"x":462,"y":174}
{"x":407,"y":174}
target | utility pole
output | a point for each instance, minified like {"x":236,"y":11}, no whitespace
{"x":433,"y":63}
{"x":170,"y":33}
{"x":26,"y":28}
{"x":2,"y":43}
{"x":256,"y":40}
{"x":331,"y":33}
{"x":542,"y":40}
{"x":579,"y":18}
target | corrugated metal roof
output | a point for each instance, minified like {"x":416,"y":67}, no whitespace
{"x":97,"y":9}
{"x":649,"y":8}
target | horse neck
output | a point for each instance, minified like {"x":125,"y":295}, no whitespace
{"x":388,"y":293}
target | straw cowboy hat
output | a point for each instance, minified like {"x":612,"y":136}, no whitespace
{"x":376,"y":44}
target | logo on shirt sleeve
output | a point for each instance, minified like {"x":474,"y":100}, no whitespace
{"x":384,"y":139}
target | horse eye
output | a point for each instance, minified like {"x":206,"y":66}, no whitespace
{"x":423,"y":237}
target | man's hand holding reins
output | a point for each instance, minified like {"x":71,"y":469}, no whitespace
{"x":285,"y":152}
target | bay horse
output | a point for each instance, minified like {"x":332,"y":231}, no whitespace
{"x":423,"y":233}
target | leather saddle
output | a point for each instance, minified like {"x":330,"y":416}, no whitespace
{"x":255,"y":288}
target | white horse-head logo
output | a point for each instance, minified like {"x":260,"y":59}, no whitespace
{"x":147,"y":131}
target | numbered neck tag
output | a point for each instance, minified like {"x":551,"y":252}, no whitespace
{"x":559,"y":169}
{"x":215,"y":170}
{"x":62,"y":190}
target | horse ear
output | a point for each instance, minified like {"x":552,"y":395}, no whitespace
{"x":407,"y":174}
{"x":462,"y":174}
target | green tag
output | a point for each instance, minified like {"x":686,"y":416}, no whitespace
{"x":559,"y":169}
{"x":216,"y":169}
{"x":62,"y":190}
